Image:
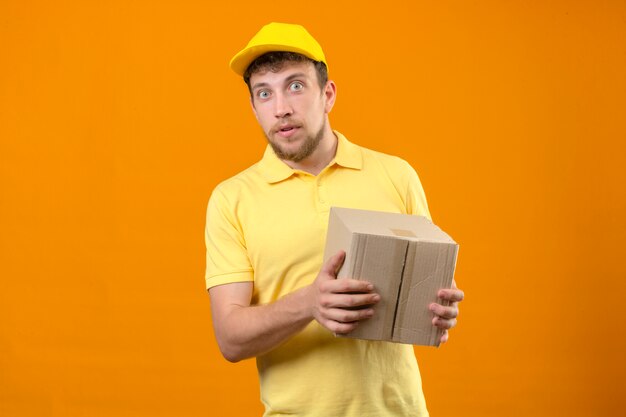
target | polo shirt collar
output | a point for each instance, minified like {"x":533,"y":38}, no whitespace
{"x":348,"y":154}
{"x":274,"y":170}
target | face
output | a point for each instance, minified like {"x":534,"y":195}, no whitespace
{"x":292,"y":109}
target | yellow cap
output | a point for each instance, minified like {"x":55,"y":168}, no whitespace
{"x":277,"y":37}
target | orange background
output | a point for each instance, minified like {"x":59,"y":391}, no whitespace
{"x":118,"y":118}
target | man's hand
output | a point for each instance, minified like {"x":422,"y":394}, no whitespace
{"x":445,"y":317}
{"x":339,"y":304}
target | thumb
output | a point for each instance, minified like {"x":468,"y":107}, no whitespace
{"x":332,"y":266}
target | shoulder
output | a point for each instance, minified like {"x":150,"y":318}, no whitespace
{"x":401,"y":176}
{"x":232,"y":187}
{"x":395,"y":166}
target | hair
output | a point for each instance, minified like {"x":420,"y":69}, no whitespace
{"x":274,"y":61}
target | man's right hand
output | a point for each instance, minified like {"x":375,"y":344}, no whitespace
{"x":339,"y":304}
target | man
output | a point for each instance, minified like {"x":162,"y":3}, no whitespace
{"x":272,"y":297}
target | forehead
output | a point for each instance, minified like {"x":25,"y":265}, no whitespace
{"x":269,"y":75}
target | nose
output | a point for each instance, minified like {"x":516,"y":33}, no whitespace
{"x":282,"y":106}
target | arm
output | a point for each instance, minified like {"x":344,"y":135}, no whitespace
{"x":244,"y":331}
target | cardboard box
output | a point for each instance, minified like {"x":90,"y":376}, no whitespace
{"x":407,"y":258}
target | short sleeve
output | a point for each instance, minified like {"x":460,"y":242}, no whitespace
{"x":415,"y":199}
{"x":227,"y":259}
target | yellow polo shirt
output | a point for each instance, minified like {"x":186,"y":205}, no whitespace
{"x":267,"y":225}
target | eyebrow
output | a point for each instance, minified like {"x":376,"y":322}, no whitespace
{"x":291,"y":77}
{"x":296,"y":75}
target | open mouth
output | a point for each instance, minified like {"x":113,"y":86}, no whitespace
{"x":287,"y":131}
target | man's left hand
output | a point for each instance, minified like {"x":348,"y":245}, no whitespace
{"x":445,"y":316}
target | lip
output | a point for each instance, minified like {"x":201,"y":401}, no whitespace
{"x":286,"y":131}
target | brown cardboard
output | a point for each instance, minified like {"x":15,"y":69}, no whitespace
{"x":407,"y":258}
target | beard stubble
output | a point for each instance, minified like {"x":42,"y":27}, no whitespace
{"x":304,"y":151}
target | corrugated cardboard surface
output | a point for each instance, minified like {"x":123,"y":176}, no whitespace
{"x":407,"y":258}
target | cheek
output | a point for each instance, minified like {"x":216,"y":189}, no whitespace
{"x":317,"y":109}
{"x":262,"y":117}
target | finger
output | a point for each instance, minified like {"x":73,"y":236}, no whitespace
{"x":333,"y":264}
{"x":340,"y":300}
{"x":450,"y":312}
{"x":346,"y":285}
{"x":356,"y":300}
{"x":341,"y":315}
{"x":444,"y":336}
{"x":452,"y":294}
{"x":341,"y":328}
{"x":442,"y":323}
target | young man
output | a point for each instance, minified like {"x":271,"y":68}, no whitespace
{"x":271,"y":295}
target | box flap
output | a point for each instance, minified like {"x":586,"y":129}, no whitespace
{"x":390,"y":224}
{"x":379,"y":260}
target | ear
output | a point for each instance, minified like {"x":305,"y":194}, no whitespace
{"x":330,"y":94}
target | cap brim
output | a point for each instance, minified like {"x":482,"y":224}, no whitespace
{"x":244,"y":58}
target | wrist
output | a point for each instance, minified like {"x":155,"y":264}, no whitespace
{"x":306,"y":296}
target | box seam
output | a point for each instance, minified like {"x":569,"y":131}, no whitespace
{"x":395,"y":312}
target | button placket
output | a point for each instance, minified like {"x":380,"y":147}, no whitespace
{"x":322,"y":195}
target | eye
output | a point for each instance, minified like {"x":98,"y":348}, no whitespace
{"x":263,"y":94}
{"x":296,"y":86}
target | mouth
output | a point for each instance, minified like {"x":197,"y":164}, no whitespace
{"x":287,"y":131}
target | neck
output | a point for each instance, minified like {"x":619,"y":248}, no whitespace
{"x":321,"y":156}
